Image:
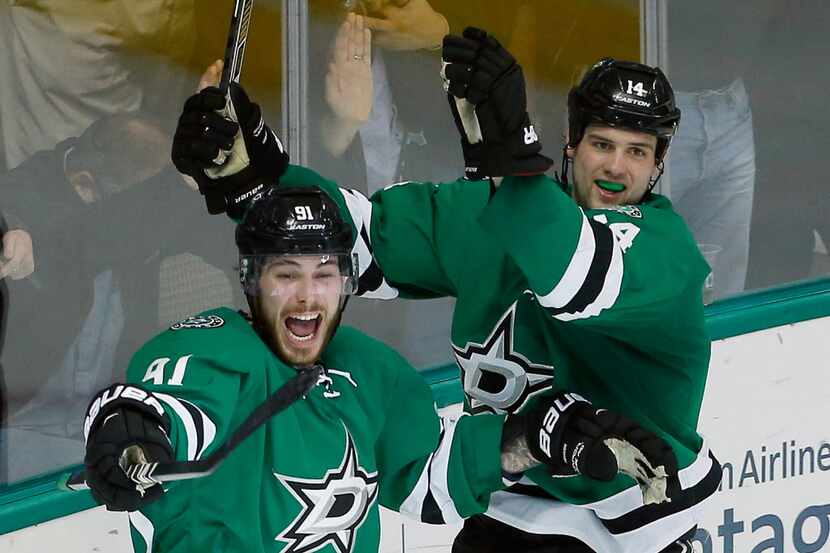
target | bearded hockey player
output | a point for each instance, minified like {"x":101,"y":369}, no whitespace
{"x":366,"y":435}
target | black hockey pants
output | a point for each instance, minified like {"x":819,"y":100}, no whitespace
{"x":483,"y":534}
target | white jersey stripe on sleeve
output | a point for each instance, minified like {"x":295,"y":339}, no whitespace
{"x":593,"y":279}
{"x":371,"y":283}
{"x":208,"y":430}
{"x":439,"y":484}
{"x":360,"y":208}
{"x":432,"y":488}
{"x":199,"y":433}
{"x":610,"y":289}
{"x":412,"y":506}
{"x":577,"y":270}
{"x":144,"y":527}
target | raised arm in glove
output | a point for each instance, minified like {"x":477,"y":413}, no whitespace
{"x":229,"y":152}
{"x":486,"y":92}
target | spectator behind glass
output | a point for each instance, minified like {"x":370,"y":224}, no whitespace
{"x":377,"y":116}
{"x":712,"y":158}
{"x":789,"y":83}
{"x":105,"y":211}
{"x":380,"y":104}
{"x":67,"y":64}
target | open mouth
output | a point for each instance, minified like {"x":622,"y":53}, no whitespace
{"x":303,"y":327}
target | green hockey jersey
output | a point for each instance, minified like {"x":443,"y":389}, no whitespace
{"x":603,"y":302}
{"x":312,"y":478}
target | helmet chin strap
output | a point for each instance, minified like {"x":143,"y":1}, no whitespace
{"x":566,"y":162}
{"x":653,"y":180}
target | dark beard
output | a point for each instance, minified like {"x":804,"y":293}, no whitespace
{"x":269,"y":338}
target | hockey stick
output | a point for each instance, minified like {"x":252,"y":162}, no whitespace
{"x":231,"y":71}
{"x":148,"y":474}
{"x":237,"y":39}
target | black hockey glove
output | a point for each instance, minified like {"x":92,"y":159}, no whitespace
{"x":227,"y":148}
{"x":124,"y":425}
{"x":570,"y":436}
{"x":486,"y":92}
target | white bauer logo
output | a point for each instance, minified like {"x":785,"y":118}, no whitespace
{"x":120,"y":391}
{"x":552,"y":417}
{"x":530,"y":135}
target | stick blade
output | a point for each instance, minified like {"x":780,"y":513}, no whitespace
{"x":73,"y":481}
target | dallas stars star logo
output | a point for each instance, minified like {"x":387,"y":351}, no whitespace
{"x":496,"y":378}
{"x":334,"y":507}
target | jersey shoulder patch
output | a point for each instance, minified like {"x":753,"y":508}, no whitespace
{"x":199,"y":321}
{"x":631,"y":210}
{"x":222,"y":336}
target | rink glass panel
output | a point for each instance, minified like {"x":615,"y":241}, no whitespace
{"x":746,"y":167}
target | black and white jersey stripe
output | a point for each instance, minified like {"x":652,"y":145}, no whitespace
{"x":200,"y":430}
{"x":592,"y":281}
{"x":371,"y":282}
{"x":430,"y":500}
{"x":144,"y":527}
{"x":619,"y":514}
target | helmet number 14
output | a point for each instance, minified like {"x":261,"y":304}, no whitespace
{"x":636,"y":89}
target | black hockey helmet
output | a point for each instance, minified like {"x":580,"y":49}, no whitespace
{"x":293,"y":221}
{"x":624,"y":94}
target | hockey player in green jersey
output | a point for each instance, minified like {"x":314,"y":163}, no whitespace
{"x":594,"y":287}
{"x":367,"y":434}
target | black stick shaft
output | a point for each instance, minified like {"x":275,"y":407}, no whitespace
{"x":231,"y":71}
{"x":237,"y":40}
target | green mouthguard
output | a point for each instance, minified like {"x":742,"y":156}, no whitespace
{"x":610,"y":186}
